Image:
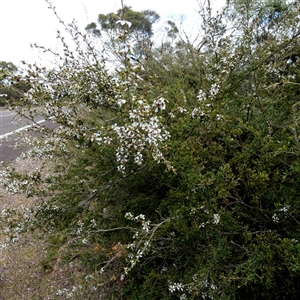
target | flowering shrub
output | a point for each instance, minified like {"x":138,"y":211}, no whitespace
{"x":178,"y":175}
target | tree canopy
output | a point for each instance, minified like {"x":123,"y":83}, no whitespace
{"x":141,"y":22}
{"x":139,"y":29}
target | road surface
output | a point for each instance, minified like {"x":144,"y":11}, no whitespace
{"x":8,"y":137}
{"x":7,"y":125}
{"x":5,"y":121}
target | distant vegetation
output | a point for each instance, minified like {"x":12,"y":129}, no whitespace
{"x":12,"y":88}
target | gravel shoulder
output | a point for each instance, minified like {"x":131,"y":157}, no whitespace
{"x":20,"y":265}
{"x":23,"y":273}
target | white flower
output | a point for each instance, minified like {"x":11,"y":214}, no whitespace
{"x":159,"y":104}
{"x":201,"y":95}
{"x":214,"y":89}
{"x":93,"y":223}
{"x":121,"y":102}
{"x":182,"y":110}
{"x":220,"y":117}
{"x":197,"y":113}
{"x":176,"y":286}
{"x":129,"y":216}
{"x":179,"y":286}
{"x":285,"y":208}
{"x":275,"y":218}
{"x":140,"y":216}
{"x":172,"y":288}
{"x":146,"y":225}
{"x":216,"y":219}
{"x":107,"y":140}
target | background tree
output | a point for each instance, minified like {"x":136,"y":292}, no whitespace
{"x":11,"y":84}
{"x":140,"y":30}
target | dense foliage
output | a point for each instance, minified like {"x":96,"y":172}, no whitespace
{"x":176,"y":175}
{"x":11,"y":87}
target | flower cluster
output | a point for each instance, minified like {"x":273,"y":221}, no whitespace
{"x":213,"y":218}
{"x":141,"y":240}
{"x":175,"y":287}
{"x":19,"y":185}
{"x":281,"y":213}
{"x":187,"y":289}
{"x":16,"y":221}
{"x":68,"y":293}
{"x":143,"y":133}
{"x":216,"y":219}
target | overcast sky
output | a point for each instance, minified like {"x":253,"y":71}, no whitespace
{"x":30,"y":21}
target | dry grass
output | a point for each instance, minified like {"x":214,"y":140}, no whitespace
{"x":21,"y":265}
{"x":25,"y":271}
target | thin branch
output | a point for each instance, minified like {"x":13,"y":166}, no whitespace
{"x":268,"y":58}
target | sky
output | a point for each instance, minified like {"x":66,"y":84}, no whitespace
{"x":25,"y":22}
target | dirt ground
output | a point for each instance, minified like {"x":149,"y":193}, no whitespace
{"x":23,"y":274}
{"x":20,"y":270}
{"x":21,"y":265}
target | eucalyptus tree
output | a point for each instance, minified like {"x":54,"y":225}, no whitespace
{"x":139,"y":32}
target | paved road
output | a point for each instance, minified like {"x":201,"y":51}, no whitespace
{"x":8,"y":138}
{"x":7,"y":125}
{"x":5,"y":121}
